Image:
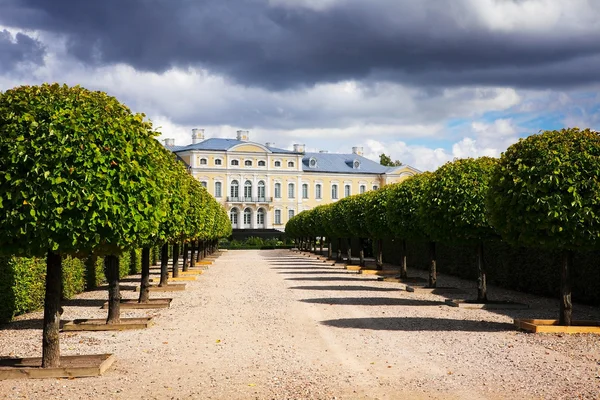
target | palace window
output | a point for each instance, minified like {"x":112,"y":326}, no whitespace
{"x":262,"y":163}
{"x":235,"y":163}
{"x":278,"y":190}
{"x":362,"y":189}
{"x":375,"y":187}
{"x":334,"y":192}
{"x":218,"y":187}
{"x":290,"y":164}
{"x":305,"y":191}
{"x":261,"y":190}
{"x":318,"y":191}
{"x":277,"y":163}
{"x":204,"y":183}
{"x":248,"y":163}
{"x":290,"y":214}
{"x":218,"y":161}
{"x":291,"y":191}
{"x":347,"y":191}
{"x":247,"y":217}
{"x":235,"y":189}
{"x":277,"y":217}
{"x":260,"y":216}
{"x":248,"y":189}
{"x":233,"y":216}
{"x":203,"y":161}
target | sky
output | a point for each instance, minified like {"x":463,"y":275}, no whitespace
{"x":424,"y":81}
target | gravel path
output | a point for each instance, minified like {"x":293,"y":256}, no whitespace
{"x":279,"y":325}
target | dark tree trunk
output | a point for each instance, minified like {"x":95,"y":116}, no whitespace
{"x":349,"y":250}
{"x":566,"y":306}
{"x":329,"y":249}
{"x":145,"y":279}
{"x":132,"y":262}
{"x":52,"y":311}
{"x":154,"y":255}
{"x":175,"y":259}
{"x":184,"y":265}
{"x":111,"y":271}
{"x":321,"y":243}
{"x":205,"y":249}
{"x":379,"y":259}
{"x":339,"y":250}
{"x":199,"y":252}
{"x":361,"y":252}
{"x":432,"y":266}
{"x":481,"y":276}
{"x":403,"y":266}
{"x":192,"y":253}
{"x":164,"y":265}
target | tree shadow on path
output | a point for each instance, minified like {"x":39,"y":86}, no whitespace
{"x":348,"y":288}
{"x":410,"y":324}
{"x":372,"y":301}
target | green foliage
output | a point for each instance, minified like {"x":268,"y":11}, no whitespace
{"x":355,"y":215}
{"x":73,"y":277}
{"x":78,"y":172}
{"x":377,"y":217}
{"x":453,"y":204}
{"x":387,"y":161}
{"x":545,"y":191}
{"x":404,"y":219}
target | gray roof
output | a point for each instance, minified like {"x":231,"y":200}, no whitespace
{"x":220,"y":144}
{"x":342,"y":163}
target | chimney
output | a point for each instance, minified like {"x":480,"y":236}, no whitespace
{"x":169,"y":142}
{"x":270,"y":144}
{"x":323,"y":151}
{"x":298,"y":148}
{"x":357,"y":150}
{"x":243,"y":136}
{"x":197,"y":135}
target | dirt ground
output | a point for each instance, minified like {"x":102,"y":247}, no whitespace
{"x":279,"y":325}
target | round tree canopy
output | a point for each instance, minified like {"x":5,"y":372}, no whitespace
{"x":77,"y":172}
{"x":404,"y":219}
{"x":545,"y":191}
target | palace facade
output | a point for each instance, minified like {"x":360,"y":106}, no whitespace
{"x":263,"y":186}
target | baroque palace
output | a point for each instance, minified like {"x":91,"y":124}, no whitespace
{"x":263,"y":186}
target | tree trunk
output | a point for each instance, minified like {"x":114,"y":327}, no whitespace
{"x":321,"y":243}
{"x":432,"y":266}
{"x":329,"y":249}
{"x":184,"y":266}
{"x":145,"y":280}
{"x":164,"y":265}
{"x":52,"y":311}
{"x":361,"y":252}
{"x":349,"y":250}
{"x":379,"y":259}
{"x":111,"y":271}
{"x":481,"y":278}
{"x":205,"y":246}
{"x":403,"y":266}
{"x":154,"y":255}
{"x":199,"y":252}
{"x":339,"y":250}
{"x":566,"y":306}
{"x":192,"y":253}
{"x":175,"y":259}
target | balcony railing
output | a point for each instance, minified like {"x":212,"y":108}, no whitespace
{"x":249,"y":199}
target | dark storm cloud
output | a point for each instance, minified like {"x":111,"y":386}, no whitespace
{"x":258,"y":44}
{"x":18,"y":49}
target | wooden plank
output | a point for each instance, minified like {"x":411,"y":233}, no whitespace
{"x":178,"y":279}
{"x":436,"y":290}
{"x":353,"y":268}
{"x":379,"y":272}
{"x":414,"y":281}
{"x":172,"y":287}
{"x":192,"y":272}
{"x":101,"y":325}
{"x":78,"y":366}
{"x":552,"y":326}
{"x":490,"y":305}
{"x":132,"y":304}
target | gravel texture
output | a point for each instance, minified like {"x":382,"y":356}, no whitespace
{"x":281,"y":325}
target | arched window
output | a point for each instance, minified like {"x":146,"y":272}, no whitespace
{"x":305,"y":191}
{"x":334,"y":192}
{"x":248,"y":163}
{"x":291,"y":191}
{"x":218,"y":161}
{"x":375,"y":187}
{"x":290,"y":164}
{"x":261,"y":190}
{"x":347,"y":191}
{"x":218,"y":188}
{"x":233,"y":216}
{"x":248,"y":189}
{"x":318,"y":191}
{"x":235,"y":163}
{"x":260,"y":217}
{"x":235,"y":189}
{"x":262,"y":163}
{"x":278,"y":190}
{"x":277,"y":163}
{"x":363,"y":188}
{"x":247,"y":217}
{"x":204,"y":183}
{"x":203,"y":161}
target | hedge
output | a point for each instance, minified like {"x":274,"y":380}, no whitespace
{"x":22,"y":280}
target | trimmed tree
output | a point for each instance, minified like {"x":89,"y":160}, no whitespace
{"x":356,"y":224}
{"x":545,"y":193}
{"x":76,"y":177}
{"x":376,"y":219}
{"x":454,"y":206}
{"x":405,"y":220}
